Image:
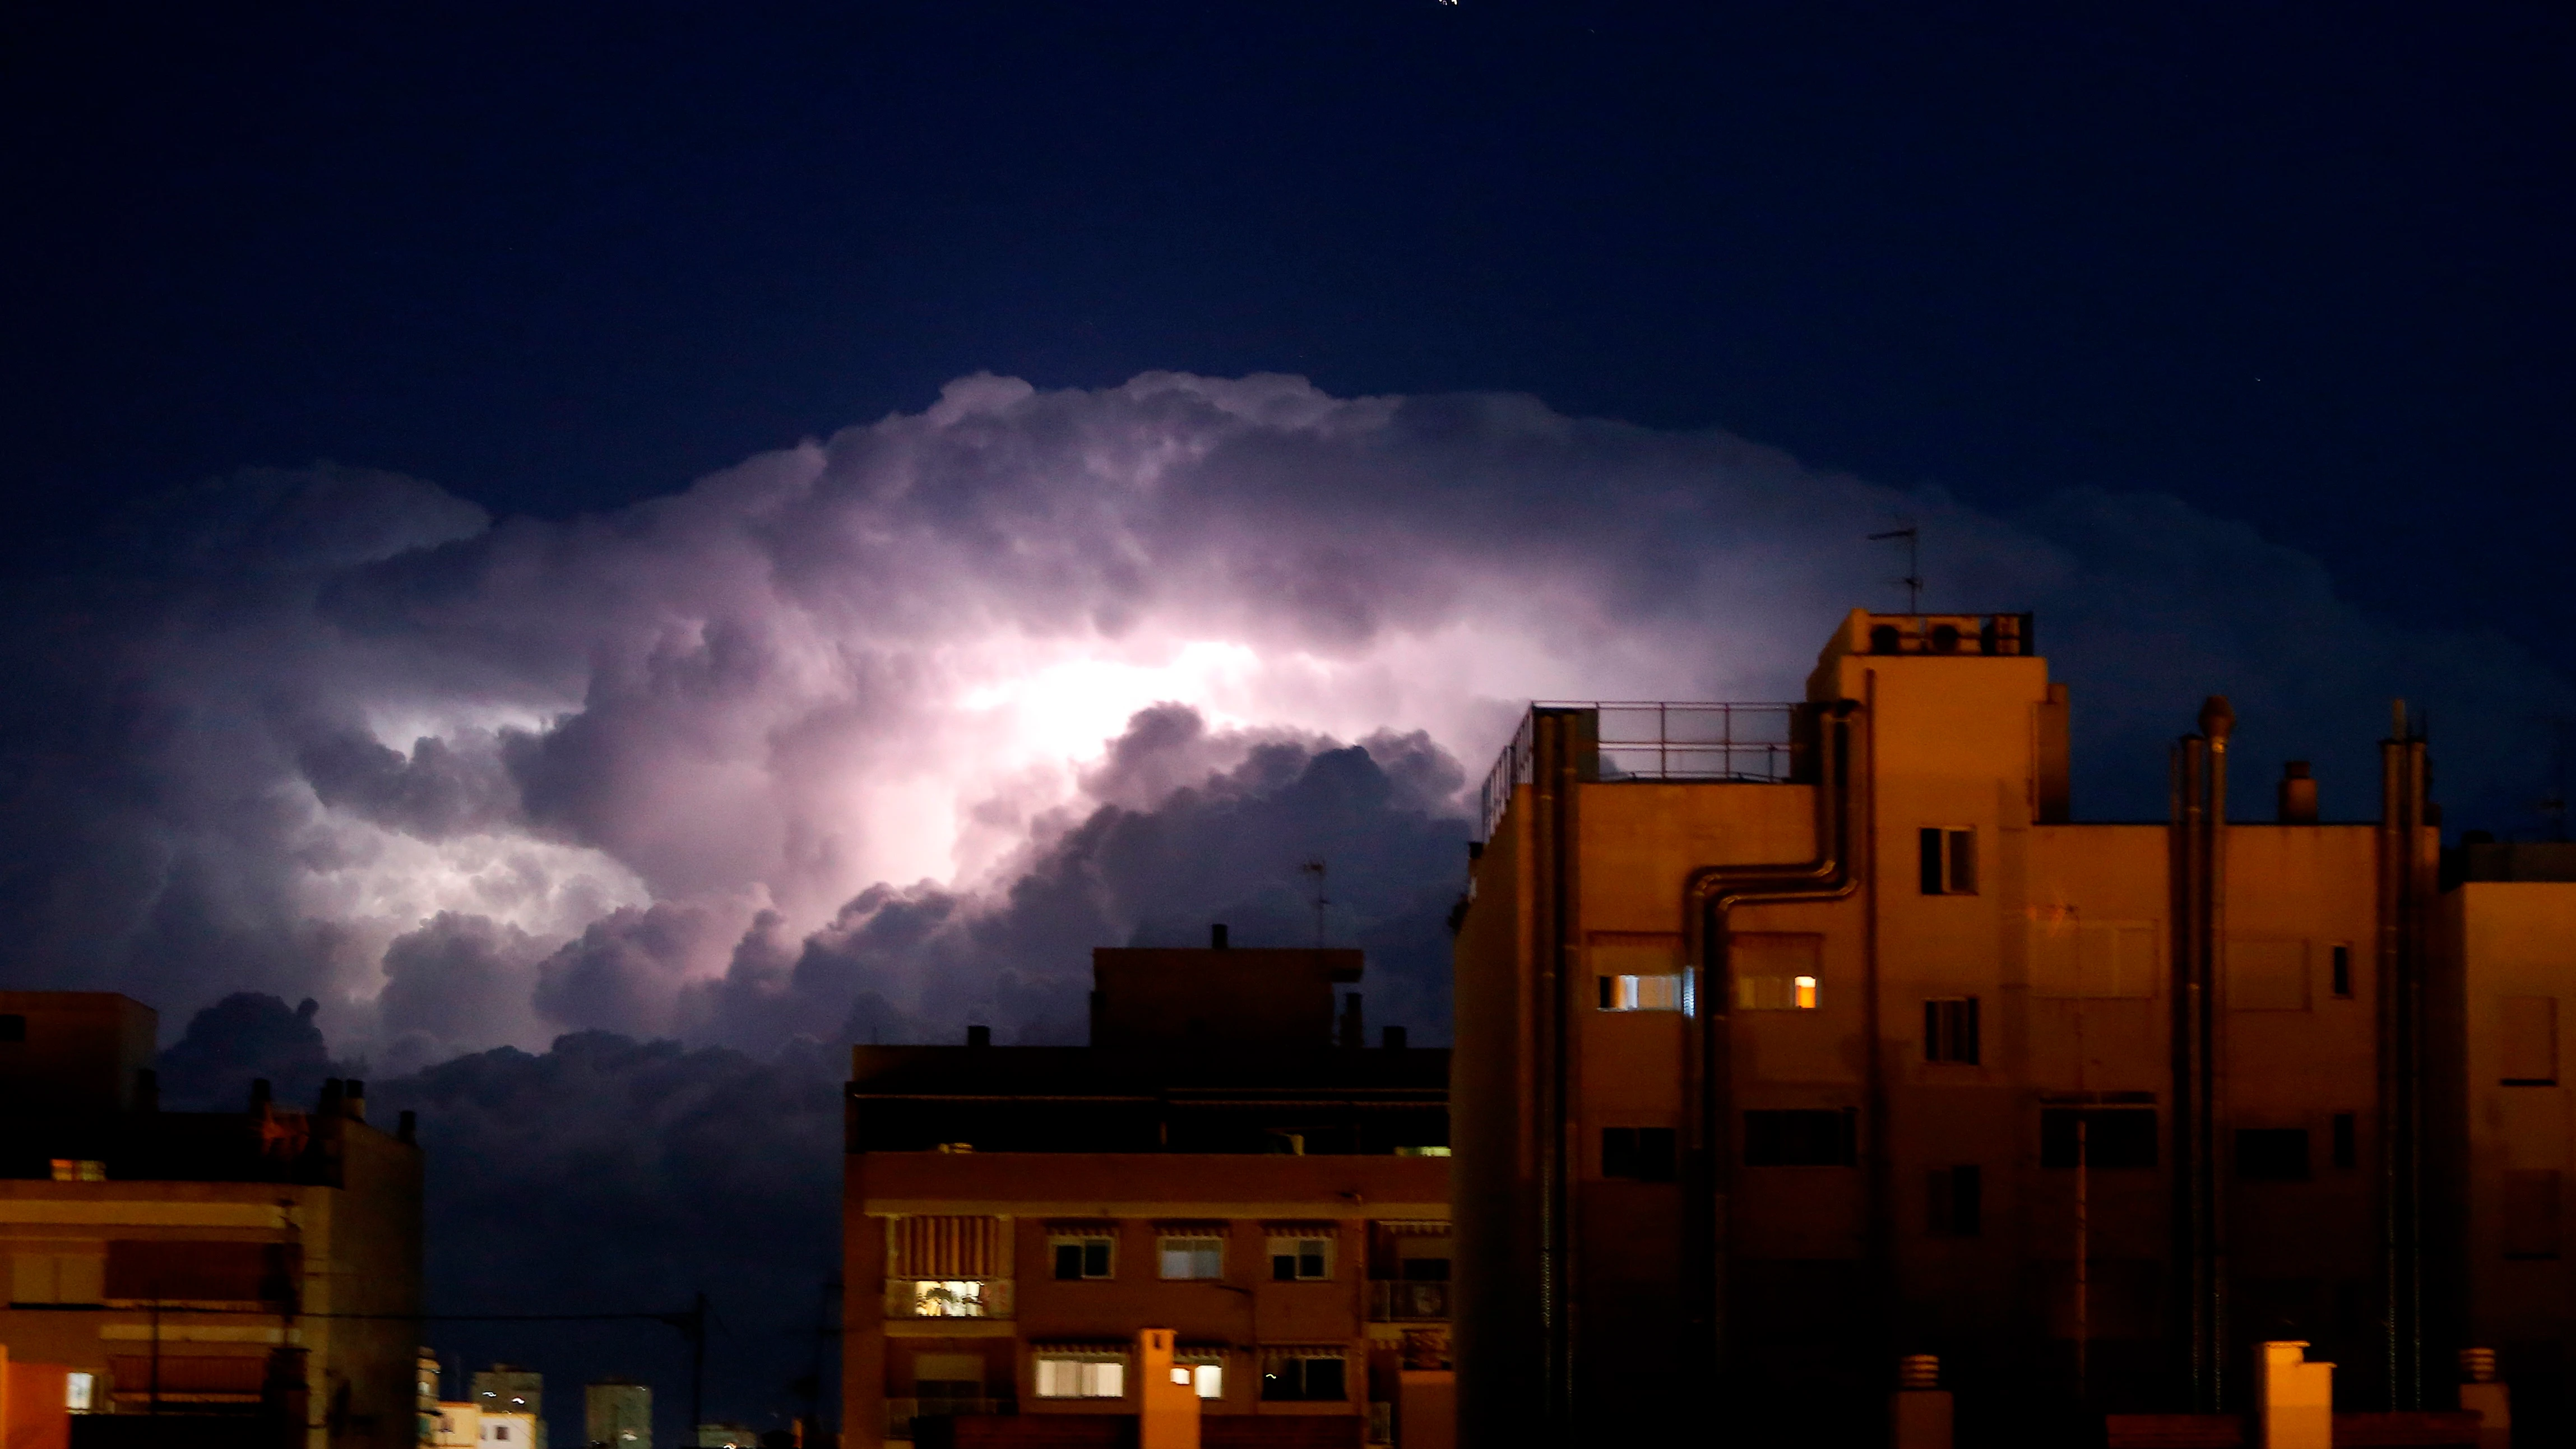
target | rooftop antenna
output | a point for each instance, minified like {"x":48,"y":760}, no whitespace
{"x":1912,"y":533}
{"x":1315,"y":868}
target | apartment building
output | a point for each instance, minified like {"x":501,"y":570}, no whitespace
{"x":1225,"y":1161}
{"x":1797,"y":1039}
{"x":209,"y":1279}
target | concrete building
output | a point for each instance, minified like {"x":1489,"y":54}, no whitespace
{"x":2506,"y":941}
{"x":241,"y":1277}
{"x":618,"y":1414}
{"x":1794,"y":1040}
{"x":1226,"y":1162}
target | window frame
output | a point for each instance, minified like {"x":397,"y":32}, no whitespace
{"x":1953,"y":1031}
{"x":1089,"y":1372}
{"x":1946,"y":860}
{"x":1083,"y":1244}
{"x":1298,"y":1258}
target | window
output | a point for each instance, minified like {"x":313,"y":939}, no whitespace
{"x":1949,"y":861}
{"x":2341,"y":972}
{"x":1303,"y":1374}
{"x":1642,"y":1153}
{"x":500,"y":1433}
{"x":1203,"y":1372}
{"x":2101,"y":1137}
{"x":1082,"y":1376}
{"x":2531,"y":1209}
{"x":1956,"y":1201}
{"x":945,"y":1298}
{"x":2530,"y":1041}
{"x":1191,"y":1256}
{"x":1776,"y":970}
{"x":2272,"y":1154}
{"x":76,"y":1169}
{"x":13,"y":1027}
{"x":1950,"y":1030}
{"x":1801,"y":1138}
{"x":1078,"y":1256}
{"x":2347,"y":1147}
{"x":80,"y":1392}
{"x":1300,"y":1259}
{"x":1668,"y":991}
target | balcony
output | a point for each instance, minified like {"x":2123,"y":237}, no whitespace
{"x":948,"y":1298}
{"x":1661,"y":743}
{"x":900,"y":1413}
{"x":1407,"y":1301}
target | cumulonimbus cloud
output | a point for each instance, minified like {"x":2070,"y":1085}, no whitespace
{"x":336,"y":733}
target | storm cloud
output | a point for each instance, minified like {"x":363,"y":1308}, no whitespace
{"x":879,"y":733}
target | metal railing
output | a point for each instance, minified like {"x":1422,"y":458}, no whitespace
{"x":900,"y":1413}
{"x":948,"y":1298}
{"x":1651,"y":741}
{"x":1393,"y":1300}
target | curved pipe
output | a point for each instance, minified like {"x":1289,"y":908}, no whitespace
{"x":1709,"y":896}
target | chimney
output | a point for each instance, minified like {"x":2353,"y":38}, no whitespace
{"x":258,"y":1095}
{"x":1392,"y":1038}
{"x":2298,"y":794}
{"x":354,"y":1100}
{"x":1216,"y":936}
{"x":979,"y":1036}
{"x":1351,"y":1035}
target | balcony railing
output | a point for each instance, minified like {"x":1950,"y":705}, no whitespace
{"x":900,"y":1413}
{"x":948,"y":1298}
{"x":1405,"y":1301}
{"x":1648,"y":742}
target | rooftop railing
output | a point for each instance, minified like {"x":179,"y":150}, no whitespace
{"x":1641,"y":741}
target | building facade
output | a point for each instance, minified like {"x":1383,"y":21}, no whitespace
{"x":1796,"y":1039}
{"x":617,"y":1414}
{"x":1225,"y":1162}
{"x":241,"y":1277}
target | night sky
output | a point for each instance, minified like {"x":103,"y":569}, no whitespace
{"x":615,"y":551}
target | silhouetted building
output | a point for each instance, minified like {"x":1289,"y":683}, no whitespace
{"x":1794,"y":1039}
{"x":1225,"y":1161}
{"x":218,"y":1272}
{"x":618,"y":1414}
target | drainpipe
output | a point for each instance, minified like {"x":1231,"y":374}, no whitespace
{"x":2217,"y":723}
{"x":1709,"y":896}
{"x":1564,"y":751}
{"x":2403,"y":892}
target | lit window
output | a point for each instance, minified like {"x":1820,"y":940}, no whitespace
{"x":1193,"y":1257}
{"x":1949,"y":861}
{"x":77,"y":1389}
{"x":1664,"y":991}
{"x":1062,"y":1377}
{"x":1208,"y":1379}
{"x":1777,"y":993}
{"x":1300,"y":1260}
{"x":947,"y":1298}
{"x":73,"y":1169}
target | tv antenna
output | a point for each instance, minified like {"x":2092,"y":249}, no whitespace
{"x":1912,"y":533}
{"x":1315,"y":868}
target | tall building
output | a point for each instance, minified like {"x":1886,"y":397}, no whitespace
{"x":240,"y":1278}
{"x":1225,"y":1161}
{"x":617,"y":1414}
{"x":1794,"y":1039}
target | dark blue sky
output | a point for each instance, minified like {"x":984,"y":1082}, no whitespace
{"x":2307,"y":266}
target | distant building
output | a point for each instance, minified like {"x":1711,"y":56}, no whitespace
{"x":1225,"y":1161}
{"x":511,"y":1430}
{"x":509,"y":1389}
{"x":276,"y":1250}
{"x":727,"y":1436}
{"x":455,"y":1424}
{"x":618,"y":1414}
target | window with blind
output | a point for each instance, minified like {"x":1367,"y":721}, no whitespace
{"x":1081,"y":1373}
{"x":1190,"y":1250}
{"x":948,"y":1247}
